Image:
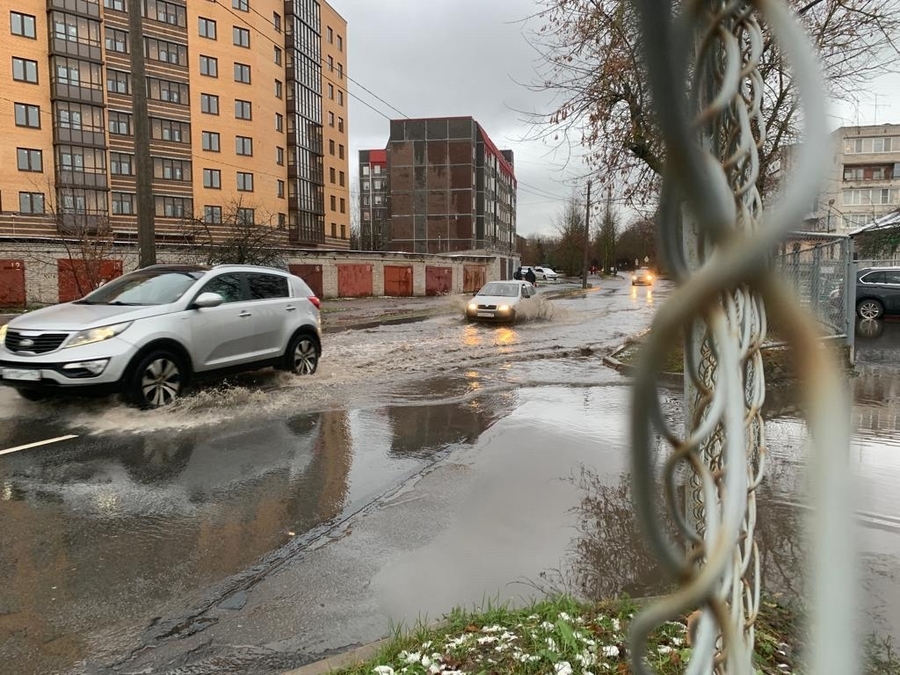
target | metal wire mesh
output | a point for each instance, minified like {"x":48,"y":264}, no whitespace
{"x":718,"y":242}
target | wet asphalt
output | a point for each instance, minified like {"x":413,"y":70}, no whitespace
{"x":266,"y":521}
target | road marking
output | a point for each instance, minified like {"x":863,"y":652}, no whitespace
{"x":38,"y":444}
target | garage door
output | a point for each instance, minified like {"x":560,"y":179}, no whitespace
{"x":77,"y":278}
{"x":12,"y":283}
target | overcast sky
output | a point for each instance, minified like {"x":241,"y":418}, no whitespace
{"x":440,"y":58}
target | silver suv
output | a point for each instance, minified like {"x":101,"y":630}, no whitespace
{"x":146,"y":333}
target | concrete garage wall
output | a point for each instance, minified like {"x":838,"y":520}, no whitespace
{"x":366,"y":270}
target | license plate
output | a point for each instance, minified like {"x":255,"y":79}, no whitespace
{"x":488,"y":314}
{"x":21,"y":374}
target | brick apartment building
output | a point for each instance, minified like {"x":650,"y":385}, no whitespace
{"x":248,"y":118}
{"x":448,"y":189}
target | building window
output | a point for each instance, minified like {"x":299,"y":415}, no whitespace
{"x":31,"y":202}
{"x":25,"y":70}
{"x":28,"y":115}
{"x":377,"y":169}
{"x":365,"y":170}
{"x":341,"y":151}
{"x":240,"y":37}
{"x":279,"y":122}
{"x":171,"y":169}
{"x":330,"y":147}
{"x":117,"y":81}
{"x":30,"y":160}
{"x":333,"y":203}
{"x":343,"y":205}
{"x":340,"y":123}
{"x":243,"y":5}
{"x":340,"y":43}
{"x":280,"y":189}
{"x":277,"y":56}
{"x":209,"y":66}
{"x":331,"y":174}
{"x":282,"y":220}
{"x":121,"y":164}
{"x":166,"y":12}
{"x":244,"y":181}
{"x":243,"y":110}
{"x":276,"y":21}
{"x":246,"y":216}
{"x":170,"y":92}
{"x":279,"y":156}
{"x":117,"y":5}
{"x":22,"y":25}
{"x":242,"y":73}
{"x":340,"y":71}
{"x":170,"y":130}
{"x":210,"y":141}
{"x":243,"y":145}
{"x":279,"y":86}
{"x":122,"y":203}
{"x":212,"y":178}
{"x":330,"y":119}
{"x":330,"y":35}
{"x":882,"y":144}
{"x":116,"y":40}
{"x":172,"y":207}
{"x":165,"y":52}
{"x":365,"y":186}
{"x":212,"y":214}
{"x":331,"y":91}
{"x":342,"y":180}
{"x":343,"y":231}
{"x":340,"y":97}
{"x":330,"y":63}
{"x":209,"y":103}
{"x":207,"y":28}
{"x":334,"y":230}
{"x":120,"y":123}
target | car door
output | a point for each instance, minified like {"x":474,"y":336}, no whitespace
{"x":274,"y":312}
{"x":892,"y":291}
{"x":871,"y":285}
{"x":224,"y":336}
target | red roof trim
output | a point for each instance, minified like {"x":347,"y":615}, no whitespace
{"x":489,"y":144}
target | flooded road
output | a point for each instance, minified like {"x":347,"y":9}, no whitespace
{"x":267,"y":521}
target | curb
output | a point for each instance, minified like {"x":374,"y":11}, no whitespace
{"x":341,"y":660}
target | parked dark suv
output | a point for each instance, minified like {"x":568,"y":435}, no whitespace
{"x":877,"y":292}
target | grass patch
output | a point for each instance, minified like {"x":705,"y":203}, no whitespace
{"x":560,"y":636}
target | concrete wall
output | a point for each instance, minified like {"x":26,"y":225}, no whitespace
{"x":42,"y":279}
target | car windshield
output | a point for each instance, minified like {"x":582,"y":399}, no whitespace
{"x":144,"y":287}
{"x":500,"y":290}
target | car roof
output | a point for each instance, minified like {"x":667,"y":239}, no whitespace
{"x":168,"y":267}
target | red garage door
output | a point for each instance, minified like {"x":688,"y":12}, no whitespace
{"x":12,"y":283}
{"x":312,"y":275}
{"x":354,"y":281}
{"x":77,"y":278}
{"x":438,"y":280}
{"x":473,"y":278}
{"x":398,"y":280}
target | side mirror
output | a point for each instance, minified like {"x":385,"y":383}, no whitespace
{"x":208,"y":300}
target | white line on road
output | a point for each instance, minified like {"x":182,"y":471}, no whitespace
{"x":38,"y":444}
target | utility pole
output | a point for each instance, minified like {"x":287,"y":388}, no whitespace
{"x":587,"y":237}
{"x":143,"y":163}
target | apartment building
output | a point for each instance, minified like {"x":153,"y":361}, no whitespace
{"x":236,"y":118}
{"x":374,"y":214}
{"x":863,"y":181}
{"x":449,"y":188}
{"x":334,"y":109}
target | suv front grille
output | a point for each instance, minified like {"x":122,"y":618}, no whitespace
{"x":36,"y":344}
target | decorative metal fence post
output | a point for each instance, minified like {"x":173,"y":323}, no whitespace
{"x":703,"y":70}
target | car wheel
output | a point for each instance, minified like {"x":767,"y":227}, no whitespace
{"x":869,"y":309}
{"x":157,"y":381}
{"x":302,"y":356}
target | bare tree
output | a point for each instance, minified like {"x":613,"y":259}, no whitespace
{"x":570,"y":242}
{"x":606,"y":238}
{"x":239,"y":234}
{"x":592,"y":63}
{"x":356,"y":242}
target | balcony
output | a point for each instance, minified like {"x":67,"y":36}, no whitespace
{"x":81,"y":179}
{"x":76,"y":49}
{"x":94,"y":138}
{"x":88,"y":8}
{"x":74,"y":92}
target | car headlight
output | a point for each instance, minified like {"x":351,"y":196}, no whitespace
{"x":92,"y":335}
{"x":3,"y":333}
{"x":472,"y":307}
{"x":503,"y":308}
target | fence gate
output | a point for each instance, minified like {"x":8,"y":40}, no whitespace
{"x":12,"y":283}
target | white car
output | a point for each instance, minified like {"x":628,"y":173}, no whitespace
{"x":500,"y":301}
{"x":148,"y":332}
{"x":545,"y":274}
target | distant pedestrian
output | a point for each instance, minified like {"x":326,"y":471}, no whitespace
{"x":517,"y":275}
{"x":530,"y":277}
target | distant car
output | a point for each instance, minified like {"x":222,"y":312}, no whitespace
{"x":545,"y":274}
{"x":500,"y":301}
{"x":642,"y":277}
{"x":146,"y":333}
{"x":877,"y":292}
